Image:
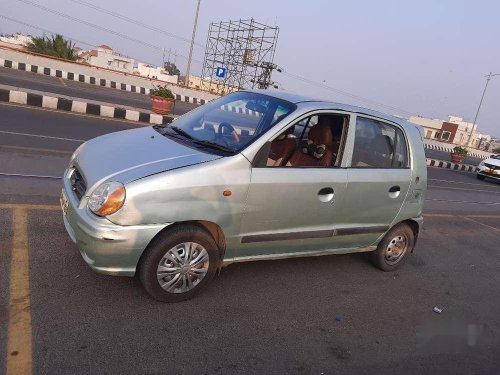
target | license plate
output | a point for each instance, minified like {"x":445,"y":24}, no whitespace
{"x":64,"y":202}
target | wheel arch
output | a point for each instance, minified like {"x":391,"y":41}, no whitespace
{"x":208,"y":226}
{"x":415,"y":227}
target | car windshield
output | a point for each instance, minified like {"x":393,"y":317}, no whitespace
{"x":232,"y":122}
{"x":496,"y":157}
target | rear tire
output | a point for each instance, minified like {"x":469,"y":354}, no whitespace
{"x":480,"y":177}
{"x":394,"y":248}
{"x":179,"y":264}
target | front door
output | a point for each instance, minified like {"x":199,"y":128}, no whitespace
{"x":291,"y":210}
{"x":294,"y":200}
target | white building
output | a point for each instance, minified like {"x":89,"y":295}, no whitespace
{"x":104,"y":57}
{"x":155,"y":72}
{"x":432,"y":126}
{"x":16,"y":40}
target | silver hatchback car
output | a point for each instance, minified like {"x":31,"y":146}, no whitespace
{"x":253,"y":175}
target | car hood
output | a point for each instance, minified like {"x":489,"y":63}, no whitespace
{"x":128,"y":155}
{"x":492,"y":161}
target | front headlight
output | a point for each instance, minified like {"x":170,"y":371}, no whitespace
{"x":107,"y":198}
{"x":481,"y":164}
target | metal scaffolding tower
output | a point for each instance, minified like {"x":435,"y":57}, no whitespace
{"x":244,"y":50}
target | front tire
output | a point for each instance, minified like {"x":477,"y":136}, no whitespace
{"x":480,"y":176}
{"x":179,"y":264}
{"x":394,"y":248}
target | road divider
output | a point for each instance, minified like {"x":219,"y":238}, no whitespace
{"x":448,"y":165}
{"x":63,"y":103}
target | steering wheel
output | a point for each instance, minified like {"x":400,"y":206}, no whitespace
{"x":222,"y":126}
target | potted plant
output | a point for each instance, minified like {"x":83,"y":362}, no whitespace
{"x":458,"y":155}
{"x":162,"y":100}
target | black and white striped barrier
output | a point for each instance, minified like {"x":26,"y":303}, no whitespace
{"x":450,"y":149}
{"x":448,"y":165}
{"x":71,"y":105}
{"x":91,"y":80}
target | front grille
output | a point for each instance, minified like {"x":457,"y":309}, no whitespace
{"x":491,"y":166}
{"x":78,"y":184}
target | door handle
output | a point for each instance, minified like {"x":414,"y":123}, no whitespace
{"x":394,"y":191}
{"x":326,"y":194}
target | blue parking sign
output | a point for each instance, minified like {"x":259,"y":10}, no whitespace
{"x":220,"y":72}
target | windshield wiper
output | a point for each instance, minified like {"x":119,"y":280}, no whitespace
{"x":181,"y":132}
{"x":214,"y":145}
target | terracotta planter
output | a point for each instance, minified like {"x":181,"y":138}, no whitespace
{"x":457,"y":158}
{"x":162,"y":106}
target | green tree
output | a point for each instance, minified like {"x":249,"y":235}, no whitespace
{"x":172,"y":68}
{"x":55,"y":46}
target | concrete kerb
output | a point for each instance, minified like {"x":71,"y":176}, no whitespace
{"x":448,"y":165}
{"x":77,"y":105}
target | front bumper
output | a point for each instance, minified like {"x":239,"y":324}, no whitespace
{"x":106,"y":247}
{"x":487,"y":172}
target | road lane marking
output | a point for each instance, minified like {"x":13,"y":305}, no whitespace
{"x":464,"y":189}
{"x":29,"y":175}
{"x":42,"y":136}
{"x":19,"y":336}
{"x":46,"y":207}
{"x":456,"y":182}
{"x":483,"y":224}
{"x":21,"y":148}
{"x":62,"y":81}
{"x":457,"y":201}
{"x":454,"y":216}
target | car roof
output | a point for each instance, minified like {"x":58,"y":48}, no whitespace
{"x":325,"y":104}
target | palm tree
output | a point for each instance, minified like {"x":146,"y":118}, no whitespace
{"x":55,"y":46}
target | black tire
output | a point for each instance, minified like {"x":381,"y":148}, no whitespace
{"x":381,"y":257}
{"x":480,"y":176}
{"x":161,"y":245}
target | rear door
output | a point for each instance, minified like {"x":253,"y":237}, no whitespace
{"x":378,"y":176}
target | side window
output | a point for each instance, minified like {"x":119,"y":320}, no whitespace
{"x":378,"y":145}
{"x":312,"y":142}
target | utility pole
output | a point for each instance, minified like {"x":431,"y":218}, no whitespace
{"x":488,"y":77}
{"x":188,"y":69}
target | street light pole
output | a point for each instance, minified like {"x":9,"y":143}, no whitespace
{"x":488,"y":77}
{"x":188,"y":69}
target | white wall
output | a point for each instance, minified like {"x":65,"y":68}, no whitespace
{"x":149,"y":71}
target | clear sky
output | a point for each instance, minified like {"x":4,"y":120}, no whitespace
{"x":426,"y":57}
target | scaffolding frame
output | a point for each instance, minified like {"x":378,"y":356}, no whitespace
{"x":243,"y":48}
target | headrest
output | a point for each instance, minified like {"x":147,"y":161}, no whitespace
{"x":321,"y":134}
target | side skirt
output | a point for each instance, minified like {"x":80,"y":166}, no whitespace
{"x":301,"y":254}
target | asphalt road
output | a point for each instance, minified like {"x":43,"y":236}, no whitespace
{"x":81,"y":90}
{"x":334,"y":314}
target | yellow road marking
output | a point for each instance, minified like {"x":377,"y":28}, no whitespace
{"x":19,"y":352}
{"x":62,"y":81}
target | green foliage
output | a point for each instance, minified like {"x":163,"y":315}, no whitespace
{"x":162,"y":92}
{"x":496,"y":150}
{"x":55,"y":46}
{"x":172,"y":69}
{"x":460,"y":150}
